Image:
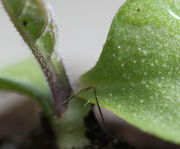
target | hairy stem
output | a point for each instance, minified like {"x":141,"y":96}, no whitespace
{"x":34,"y":22}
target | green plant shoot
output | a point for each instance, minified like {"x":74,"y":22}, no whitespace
{"x":34,"y":22}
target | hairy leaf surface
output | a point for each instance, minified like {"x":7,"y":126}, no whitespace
{"x":138,"y":73}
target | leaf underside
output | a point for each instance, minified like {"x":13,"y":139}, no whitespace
{"x":138,"y":73}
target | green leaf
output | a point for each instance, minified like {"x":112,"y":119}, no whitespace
{"x":26,"y":78}
{"x":138,"y":73}
{"x":34,"y":22}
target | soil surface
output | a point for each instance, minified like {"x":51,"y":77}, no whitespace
{"x":99,"y":138}
{"x":40,"y":138}
{"x":43,"y":137}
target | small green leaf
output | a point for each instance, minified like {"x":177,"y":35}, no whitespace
{"x":26,"y":78}
{"x":33,"y":20}
{"x":138,"y":73}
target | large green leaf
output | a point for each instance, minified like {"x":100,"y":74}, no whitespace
{"x":34,"y":22}
{"x":138,"y":73}
{"x":26,"y":78}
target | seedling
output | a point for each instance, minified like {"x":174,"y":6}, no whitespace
{"x":136,"y":77}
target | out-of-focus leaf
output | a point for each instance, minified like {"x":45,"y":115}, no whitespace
{"x":26,"y":78}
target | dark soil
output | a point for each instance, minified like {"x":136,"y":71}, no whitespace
{"x":43,"y":137}
{"x":99,"y":138}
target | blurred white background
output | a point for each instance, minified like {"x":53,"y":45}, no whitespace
{"x":83,"y":27}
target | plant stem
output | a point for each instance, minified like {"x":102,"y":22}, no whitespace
{"x":70,"y":128}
